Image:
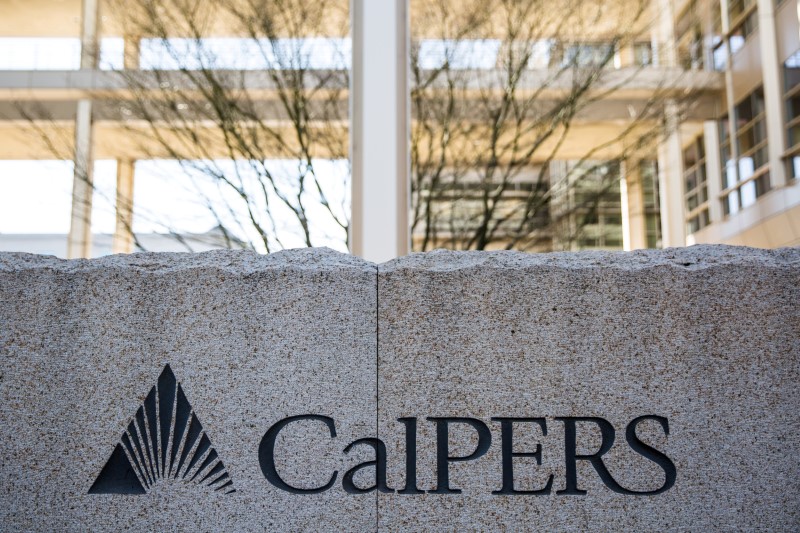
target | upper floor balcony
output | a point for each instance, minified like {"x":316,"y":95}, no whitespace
{"x":48,"y":70}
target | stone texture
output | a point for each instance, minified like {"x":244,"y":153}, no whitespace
{"x":706,"y":337}
{"x":251,"y":339}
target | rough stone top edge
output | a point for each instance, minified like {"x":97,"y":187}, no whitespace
{"x":325,"y":259}
{"x":690,"y":258}
{"x":234,"y":261}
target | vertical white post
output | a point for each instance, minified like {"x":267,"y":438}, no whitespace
{"x":379,"y":129}
{"x":665,"y":51}
{"x":626,"y":217}
{"x":634,"y":230}
{"x":670,"y":156}
{"x":670,"y":183}
{"x":90,"y":52}
{"x":79,"y":240}
{"x":123,"y":231}
{"x":773,"y":91}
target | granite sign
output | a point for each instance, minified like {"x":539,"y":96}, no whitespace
{"x":165,"y":440}
{"x":311,"y":390}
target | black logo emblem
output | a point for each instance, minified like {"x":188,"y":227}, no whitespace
{"x":164,"y":441}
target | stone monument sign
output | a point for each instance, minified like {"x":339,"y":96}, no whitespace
{"x":311,"y":390}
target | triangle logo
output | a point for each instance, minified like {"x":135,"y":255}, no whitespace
{"x":164,"y":441}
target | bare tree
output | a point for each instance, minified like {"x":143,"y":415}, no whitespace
{"x":486,"y":138}
{"x":251,"y":120}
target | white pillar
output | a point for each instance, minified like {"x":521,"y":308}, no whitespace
{"x":634,"y":229}
{"x":670,"y":183}
{"x":379,"y":129}
{"x":773,"y":91}
{"x":670,"y":156}
{"x":79,"y":240}
{"x":90,"y":52}
{"x":664,"y":34}
{"x":123,"y":231}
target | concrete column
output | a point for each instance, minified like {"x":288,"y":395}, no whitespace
{"x":123,"y":231}
{"x":670,"y":157}
{"x":79,"y":240}
{"x":670,"y":183}
{"x":664,"y":48}
{"x":634,"y":228}
{"x":625,"y":55}
{"x":90,"y":51}
{"x":713,"y":170}
{"x":379,"y":129}
{"x":773,"y":91}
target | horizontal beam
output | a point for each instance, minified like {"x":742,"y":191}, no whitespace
{"x":20,"y":140}
{"x":623,"y":83}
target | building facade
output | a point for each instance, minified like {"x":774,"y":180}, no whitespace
{"x":725,"y":171}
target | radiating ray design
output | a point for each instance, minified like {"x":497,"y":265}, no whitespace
{"x":164,"y":440}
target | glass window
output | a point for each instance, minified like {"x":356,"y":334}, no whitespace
{"x":751,"y":133}
{"x":743,"y":18}
{"x":794,"y":166}
{"x":689,"y":32}
{"x":694,"y":175}
{"x":643,"y":54}
{"x":588,"y":54}
{"x":745,"y":177}
{"x":589,"y":200}
{"x":791,"y":82}
{"x":719,"y":54}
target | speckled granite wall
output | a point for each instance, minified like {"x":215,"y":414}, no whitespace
{"x":167,"y":392}
{"x":706,"y":337}
{"x":251,"y":340}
